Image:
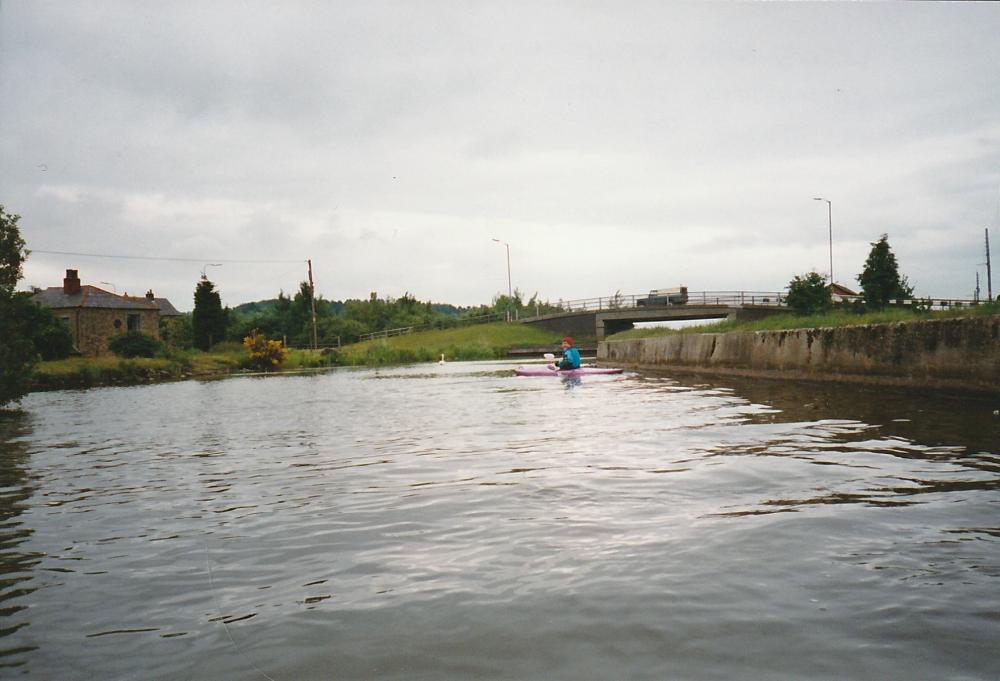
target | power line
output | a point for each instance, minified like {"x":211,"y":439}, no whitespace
{"x":148,"y":257}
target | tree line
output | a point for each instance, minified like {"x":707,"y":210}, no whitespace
{"x":29,"y":333}
{"x":880,"y":281}
{"x":289,"y":317}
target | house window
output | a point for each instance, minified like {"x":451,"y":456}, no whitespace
{"x":64,"y":320}
{"x":133,"y":322}
{"x":118,"y":323}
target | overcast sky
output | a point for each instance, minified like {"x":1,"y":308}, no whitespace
{"x":614,"y":146}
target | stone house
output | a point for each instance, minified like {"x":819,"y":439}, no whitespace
{"x":94,"y":315}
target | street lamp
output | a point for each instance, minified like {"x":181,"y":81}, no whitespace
{"x":510,"y":292}
{"x":829,"y":212}
{"x":209,"y":264}
{"x":113,"y":287}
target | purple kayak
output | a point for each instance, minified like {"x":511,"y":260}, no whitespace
{"x":549,"y":370}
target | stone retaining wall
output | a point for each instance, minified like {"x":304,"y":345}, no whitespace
{"x":962,"y":353}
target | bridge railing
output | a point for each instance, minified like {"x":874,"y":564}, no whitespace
{"x":620,"y":301}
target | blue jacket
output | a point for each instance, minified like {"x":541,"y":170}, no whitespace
{"x":570,"y":359}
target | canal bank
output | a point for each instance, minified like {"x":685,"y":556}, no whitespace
{"x":953,"y":354}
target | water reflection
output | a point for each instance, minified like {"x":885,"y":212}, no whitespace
{"x":16,"y":565}
{"x":424,"y":522}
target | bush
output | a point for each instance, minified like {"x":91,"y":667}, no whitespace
{"x":809,"y":295}
{"x":264,"y":354}
{"x":134,"y":344}
{"x":176,"y":332}
{"x":17,"y":353}
{"x":53,"y":342}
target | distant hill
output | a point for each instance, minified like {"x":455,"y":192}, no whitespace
{"x":250,"y":309}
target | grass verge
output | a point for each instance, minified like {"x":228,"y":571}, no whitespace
{"x":483,"y":341}
{"x":785,"y":322}
{"x":486,"y":341}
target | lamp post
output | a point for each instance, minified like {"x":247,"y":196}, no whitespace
{"x":209,"y":264}
{"x":510,"y":291}
{"x":113,"y":287}
{"x":829,"y":212}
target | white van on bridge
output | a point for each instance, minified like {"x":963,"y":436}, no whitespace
{"x":665,"y":296}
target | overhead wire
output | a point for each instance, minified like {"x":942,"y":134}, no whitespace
{"x":165,"y":258}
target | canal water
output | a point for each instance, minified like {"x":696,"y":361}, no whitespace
{"x":457,"y":523}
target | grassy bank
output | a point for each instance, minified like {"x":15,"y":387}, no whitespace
{"x":483,"y":341}
{"x":89,"y":372}
{"x":790,"y":321}
{"x":486,"y":341}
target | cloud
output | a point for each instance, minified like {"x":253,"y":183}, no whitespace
{"x":655,"y":143}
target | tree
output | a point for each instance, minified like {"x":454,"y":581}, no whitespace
{"x":208,"y":320}
{"x":176,"y":332}
{"x":17,"y":352}
{"x":808,"y":294}
{"x":12,"y":252}
{"x":50,"y":336}
{"x":880,"y":280}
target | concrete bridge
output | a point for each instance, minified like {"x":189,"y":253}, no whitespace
{"x":601,"y":317}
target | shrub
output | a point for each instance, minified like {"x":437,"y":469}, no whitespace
{"x":264,"y":354}
{"x":53,"y":342}
{"x":808,"y":294}
{"x":49,"y":335}
{"x":134,"y":344}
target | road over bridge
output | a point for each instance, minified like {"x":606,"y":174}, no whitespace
{"x":601,"y":317}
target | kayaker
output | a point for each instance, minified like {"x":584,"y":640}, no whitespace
{"x":571,"y":356}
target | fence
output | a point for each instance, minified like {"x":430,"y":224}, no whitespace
{"x":620,"y":301}
{"x":459,"y":321}
{"x":727,"y":298}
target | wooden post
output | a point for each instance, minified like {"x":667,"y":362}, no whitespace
{"x":989,"y":273}
{"x":312,"y":297}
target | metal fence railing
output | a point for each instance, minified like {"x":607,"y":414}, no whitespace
{"x":620,"y":301}
{"x":461,"y":321}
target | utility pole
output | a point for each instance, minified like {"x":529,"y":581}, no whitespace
{"x":312,"y":299}
{"x":975,"y":297}
{"x":989,"y":275}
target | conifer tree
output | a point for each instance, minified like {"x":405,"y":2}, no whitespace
{"x":208,"y":320}
{"x":880,"y":280}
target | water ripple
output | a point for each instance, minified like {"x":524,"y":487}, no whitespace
{"x":458,"y":522}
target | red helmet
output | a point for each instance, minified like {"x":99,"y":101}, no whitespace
{"x":567,"y":340}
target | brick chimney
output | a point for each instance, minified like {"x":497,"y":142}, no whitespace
{"x":149,"y":294}
{"x":71,"y":284}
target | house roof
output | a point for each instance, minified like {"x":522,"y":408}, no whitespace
{"x":91,"y":297}
{"x":167,"y":308}
{"x":841,"y":290}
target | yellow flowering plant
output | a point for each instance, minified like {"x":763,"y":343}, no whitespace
{"x":264,"y":354}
